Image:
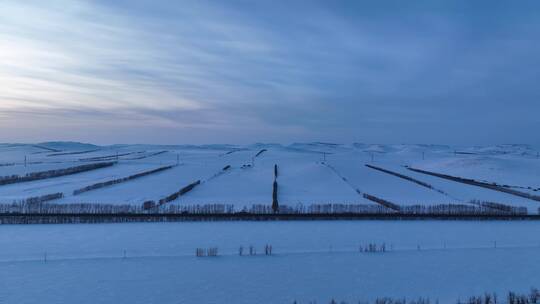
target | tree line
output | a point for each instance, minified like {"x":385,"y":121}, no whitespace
{"x":150,"y":205}
{"x":12,"y":179}
{"x":533,"y":297}
{"x":275,"y":203}
{"x":119,"y":180}
{"x":40,"y":205}
{"x":468,"y":181}
{"x":260,"y":152}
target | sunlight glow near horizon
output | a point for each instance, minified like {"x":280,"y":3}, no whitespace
{"x":207,"y":71}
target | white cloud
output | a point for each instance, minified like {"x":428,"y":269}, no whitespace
{"x":307,"y":70}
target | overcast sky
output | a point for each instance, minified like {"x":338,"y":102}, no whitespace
{"x":457,"y":72}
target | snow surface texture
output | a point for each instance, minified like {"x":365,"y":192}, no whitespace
{"x":312,"y":261}
{"x":309,"y":173}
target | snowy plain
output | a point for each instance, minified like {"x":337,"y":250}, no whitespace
{"x":309,"y":173}
{"x":312,"y":261}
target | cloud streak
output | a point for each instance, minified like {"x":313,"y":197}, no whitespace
{"x":205,"y":71}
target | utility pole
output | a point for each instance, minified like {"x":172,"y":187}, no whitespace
{"x":423,"y":155}
{"x":25,"y":161}
{"x":177,"y":159}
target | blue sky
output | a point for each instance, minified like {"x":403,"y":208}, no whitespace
{"x":457,"y":72}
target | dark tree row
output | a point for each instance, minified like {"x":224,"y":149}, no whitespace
{"x":500,"y":207}
{"x":38,"y":205}
{"x":198,"y":209}
{"x":382,"y":202}
{"x":373,"y":247}
{"x":405,"y":177}
{"x":468,"y":181}
{"x":53,"y":173}
{"x":206,"y":252}
{"x":260,"y":152}
{"x":152,"y":205}
{"x":220,"y":172}
{"x":33,"y":201}
{"x":275,"y":203}
{"x":232,"y":151}
{"x":25,"y":207}
{"x":460,"y":209}
{"x":319,"y":209}
{"x":487,"y":298}
{"x":511,"y":298}
{"x":119,"y":180}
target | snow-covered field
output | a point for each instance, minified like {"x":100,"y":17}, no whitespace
{"x":308,"y":173}
{"x":312,"y":261}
